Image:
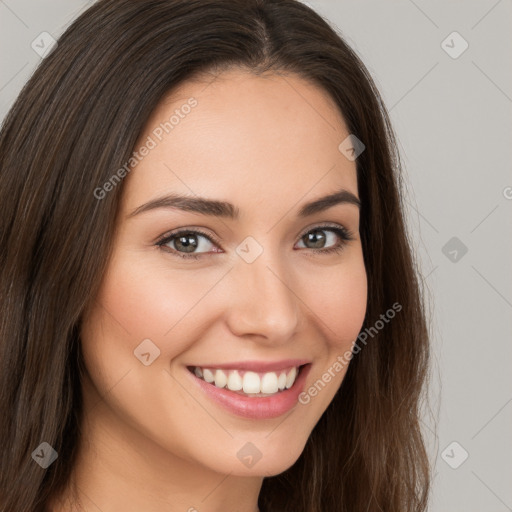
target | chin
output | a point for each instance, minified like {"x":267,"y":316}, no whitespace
{"x":261,"y":457}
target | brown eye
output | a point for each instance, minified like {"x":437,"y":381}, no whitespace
{"x":192,"y":243}
{"x":185,"y":243}
{"x":319,"y":238}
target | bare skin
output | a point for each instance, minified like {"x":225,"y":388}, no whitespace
{"x":153,"y":442}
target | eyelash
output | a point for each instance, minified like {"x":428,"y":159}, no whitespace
{"x":344,"y":234}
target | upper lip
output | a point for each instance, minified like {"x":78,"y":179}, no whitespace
{"x":257,"y":366}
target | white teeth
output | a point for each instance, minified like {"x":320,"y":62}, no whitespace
{"x":290,"y":378}
{"x":267,"y":383}
{"x":281,"y":381}
{"x":208,"y":375}
{"x":251,"y":382}
{"x":235,"y":381}
{"x":220,"y":379}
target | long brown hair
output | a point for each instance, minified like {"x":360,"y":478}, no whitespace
{"x":75,"y":122}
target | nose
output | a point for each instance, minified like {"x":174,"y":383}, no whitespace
{"x":262,"y":302}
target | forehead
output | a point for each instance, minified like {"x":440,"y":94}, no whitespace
{"x":259,"y":139}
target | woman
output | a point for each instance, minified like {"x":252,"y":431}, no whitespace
{"x":209,"y":301}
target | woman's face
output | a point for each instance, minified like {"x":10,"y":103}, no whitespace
{"x":261,"y":297}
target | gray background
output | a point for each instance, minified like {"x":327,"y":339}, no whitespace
{"x":452,"y":118}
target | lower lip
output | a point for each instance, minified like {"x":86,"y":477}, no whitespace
{"x":256,"y":407}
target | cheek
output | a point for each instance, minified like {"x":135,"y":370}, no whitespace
{"x":340,"y":300}
{"x":138,"y":302}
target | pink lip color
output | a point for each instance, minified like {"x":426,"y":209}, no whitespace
{"x":256,"y":407}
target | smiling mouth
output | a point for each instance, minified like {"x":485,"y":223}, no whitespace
{"x":249,"y":383}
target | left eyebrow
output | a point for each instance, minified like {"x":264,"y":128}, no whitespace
{"x":215,"y":208}
{"x":319,"y":205}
